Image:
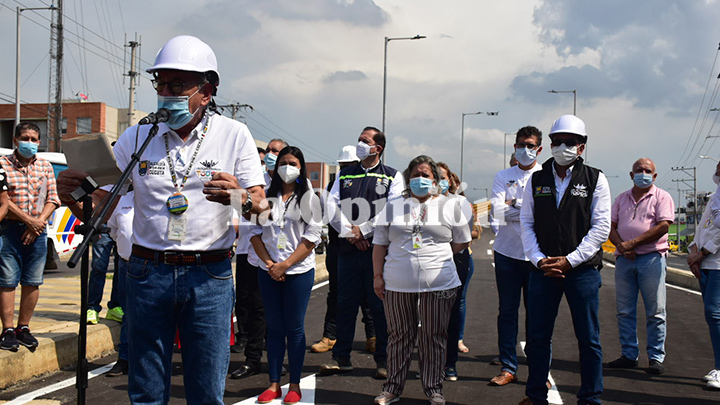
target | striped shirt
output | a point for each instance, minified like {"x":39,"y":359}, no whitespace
{"x":32,"y":186}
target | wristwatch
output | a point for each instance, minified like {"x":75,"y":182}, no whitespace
{"x":247,"y":205}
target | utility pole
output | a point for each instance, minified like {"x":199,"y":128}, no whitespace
{"x":235,"y":108}
{"x":54,"y":122}
{"x":686,"y":170}
{"x":132,"y":73}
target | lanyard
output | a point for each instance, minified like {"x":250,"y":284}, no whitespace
{"x":192,"y":160}
{"x":287,"y":205}
{"x":418,"y":219}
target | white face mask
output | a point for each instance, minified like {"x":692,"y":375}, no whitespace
{"x":362,"y":150}
{"x":526,"y":156}
{"x":288,"y":173}
{"x":563,"y":155}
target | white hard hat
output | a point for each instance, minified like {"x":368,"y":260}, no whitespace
{"x":568,"y":124}
{"x":347,"y":154}
{"x":187,"y":53}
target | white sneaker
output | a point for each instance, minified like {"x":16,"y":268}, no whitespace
{"x":712,"y":375}
{"x":386,"y":398}
{"x":437,"y":399}
{"x":714,"y":384}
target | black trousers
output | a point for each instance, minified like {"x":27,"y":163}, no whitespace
{"x":330,"y":327}
{"x":249,"y":310}
{"x":462,"y":263}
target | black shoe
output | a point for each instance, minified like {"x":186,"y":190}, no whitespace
{"x":283,"y":371}
{"x":8,"y":341}
{"x":120,"y":368}
{"x":656,"y":367}
{"x":239,"y":346}
{"x":336,"y":366}
{"x":246,"y":370}
{"x":623,"y":362}
{"x":25,"y":338}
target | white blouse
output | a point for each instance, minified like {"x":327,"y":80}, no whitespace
{"x":418,"y":237}
{"x":290,"y":224}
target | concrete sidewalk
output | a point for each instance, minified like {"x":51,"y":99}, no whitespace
{"x":55,"y":325}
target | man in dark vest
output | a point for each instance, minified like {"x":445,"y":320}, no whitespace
{"x":359,"y":193}
{"x":565,"y":218}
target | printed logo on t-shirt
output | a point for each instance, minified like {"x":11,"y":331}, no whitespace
{"x":207,"y":169}
{"x":150,"y":168}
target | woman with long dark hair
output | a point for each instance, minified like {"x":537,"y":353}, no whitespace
{"x":285,"y":243}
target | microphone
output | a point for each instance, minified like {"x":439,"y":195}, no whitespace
{"x":162,"y":115}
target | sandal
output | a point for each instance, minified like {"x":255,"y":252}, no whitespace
{"x":462,"y":348}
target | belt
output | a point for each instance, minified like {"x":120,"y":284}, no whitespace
{"x":181,"y":258}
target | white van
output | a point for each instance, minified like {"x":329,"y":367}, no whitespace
{"x":61,"y":238}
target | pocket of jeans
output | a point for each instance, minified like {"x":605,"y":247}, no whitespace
{"x":138,"y":268}
{"x":220,"y":270}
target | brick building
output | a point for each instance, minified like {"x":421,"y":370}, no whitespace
{"x":79,"y":118}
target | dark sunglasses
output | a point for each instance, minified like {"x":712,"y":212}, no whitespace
{"x":569,"y":142}
{"x":176,"y":86}
{"x":526,"y":145}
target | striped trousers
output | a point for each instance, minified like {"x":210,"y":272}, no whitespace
{"x":403,"y":311}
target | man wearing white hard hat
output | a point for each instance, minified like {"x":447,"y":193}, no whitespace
{"x":564,"y":220}
{"x":180,"y":275}
{"x":346,"y":158}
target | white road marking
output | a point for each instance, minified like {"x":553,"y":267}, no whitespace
{"x":23,"y":399}
{"x":492,"y":241}
{"x":307,"y":387}
{"x":489,"y":252}
{"x":553,"y":393}
{"x":669,"y":285}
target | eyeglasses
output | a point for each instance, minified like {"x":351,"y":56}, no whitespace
{"x":568,"y":142}
{"x":176,"y":86}
{"x":526,"y":145}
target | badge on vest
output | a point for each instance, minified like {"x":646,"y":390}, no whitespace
{"x":347,"y":183}
{"x":542,"y":191}
{"x":579,"y":190}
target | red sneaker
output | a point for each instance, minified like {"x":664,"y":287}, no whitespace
{"x":268,"y":396}
{"x":292,"y":397}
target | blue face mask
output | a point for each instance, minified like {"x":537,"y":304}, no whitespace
{"x":27,"y":149}
{"x":643,"y":180}
{"x":444,"y":186}
{"x":270,"y":160}
{"x":179,"y":109}
{"x":421,"y":186}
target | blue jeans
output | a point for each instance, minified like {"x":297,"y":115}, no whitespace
{"x":710,"y":288}
{"x":355,"y":272}
{"x":120,"y":284}
{"x":197,"y":301}
{"x":645,"y":274}
{"x":285,"y":306}
{"x":511,"y":277}
{"x":581,"y":287}
{"x":463,"y":306}
{"x":21,"y":264}
{"x":100,"y":261}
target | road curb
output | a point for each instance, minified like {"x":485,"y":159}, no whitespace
{"x":679,"y":277}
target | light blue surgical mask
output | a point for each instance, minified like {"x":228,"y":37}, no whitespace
{"x":526,"y":156}
{"x":27,"y":149}
{"x":179,"y":109}
{"x":444,"y":186}
{"x":643,"y":180}
{"x":421,"y":186}
{"x":270,"y":160}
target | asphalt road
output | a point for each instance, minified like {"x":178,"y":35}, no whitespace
{"x":689,"y":357}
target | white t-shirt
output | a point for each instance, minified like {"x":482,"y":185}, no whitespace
{"x":429,"y":267}
{"x":227,"y":147}
{"x":296,"y":222}
{"x":509,"y":184}
{"x":120,"y":224}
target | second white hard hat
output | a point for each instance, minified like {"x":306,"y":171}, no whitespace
{"x":568,"y":124}
{"x":187,"y":53}
{"x":347,"y":154}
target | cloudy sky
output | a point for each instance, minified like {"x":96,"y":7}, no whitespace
{"x":645,"y":72}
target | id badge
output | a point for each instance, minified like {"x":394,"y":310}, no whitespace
{"x":177,"y":227}
{"x":417,"y":240}
{"x":282,"y":241}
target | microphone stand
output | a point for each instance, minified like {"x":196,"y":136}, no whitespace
{"x":91,"y":227}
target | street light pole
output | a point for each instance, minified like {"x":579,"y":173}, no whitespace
{"x":17,"y":59}
{"x":385,"y":75}
{"x":505,"y":149}
{"x":462,"y":136}
{"x":574,"y":92}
